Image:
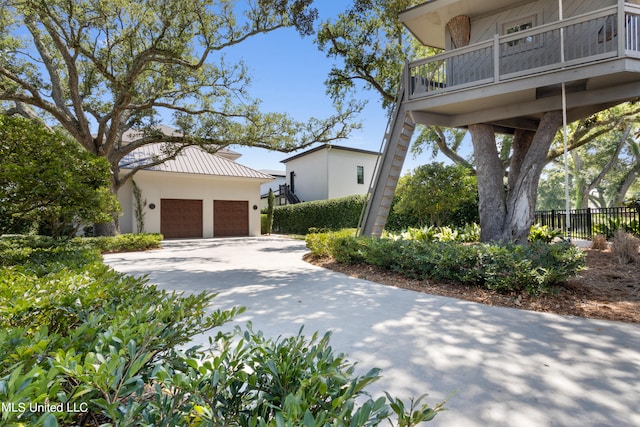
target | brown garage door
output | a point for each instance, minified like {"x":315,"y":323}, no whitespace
{"x":230,"y":218}
{"x":180,"y":218}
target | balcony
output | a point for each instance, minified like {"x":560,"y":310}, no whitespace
{"x":584,"y":51}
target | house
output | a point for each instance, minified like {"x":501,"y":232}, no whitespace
{"x":279,"y":179}
{"x":197,"y":194}
{"x":505,"y":63}
{"x":329,"y":171}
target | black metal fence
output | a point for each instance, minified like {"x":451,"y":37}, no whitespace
{"x":585,"y":223}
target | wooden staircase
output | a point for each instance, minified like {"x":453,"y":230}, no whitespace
{"x":396,"y":145}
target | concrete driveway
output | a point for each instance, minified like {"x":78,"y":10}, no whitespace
{"x":509,"y":367}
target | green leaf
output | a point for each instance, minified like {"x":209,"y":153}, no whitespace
{"x":49,"y":420}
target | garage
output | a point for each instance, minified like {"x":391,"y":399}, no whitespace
{"x":230,"y":218}
{"x":180,"y":218}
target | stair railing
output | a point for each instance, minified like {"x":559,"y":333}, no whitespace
{"x":384,"y":144}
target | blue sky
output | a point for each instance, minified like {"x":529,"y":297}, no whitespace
{"x":288,"y":74}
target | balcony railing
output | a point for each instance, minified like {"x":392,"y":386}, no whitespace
{"x":586,"y":38}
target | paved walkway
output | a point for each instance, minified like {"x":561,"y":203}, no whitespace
{"x":509,"y":367}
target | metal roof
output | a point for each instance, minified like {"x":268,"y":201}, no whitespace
{"x":191,"y":160}
{"x":273,"y":172}
{"x":133,"y":134}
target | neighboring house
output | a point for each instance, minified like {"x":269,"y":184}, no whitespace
{"x":196,"y":195}
{"x":279,"y":178}
{"x":508,"y":68}
{"x":330,"y":171}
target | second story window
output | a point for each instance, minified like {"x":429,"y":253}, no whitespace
{"x":360,"y":173}
{"x":517,"y":26}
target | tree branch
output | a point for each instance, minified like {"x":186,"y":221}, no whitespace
{"x":179,"y":148}
{"x":57,"y":93}
{"x":581,"y":135}
{"x":612,"y":161}
{"x":444,"y":148}
{"x":73,"y":80}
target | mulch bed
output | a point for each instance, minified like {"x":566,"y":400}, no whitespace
{"x":605,"y":290}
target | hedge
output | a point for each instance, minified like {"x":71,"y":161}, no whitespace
{"x":332,"y":214}
{"x":505,"y":268}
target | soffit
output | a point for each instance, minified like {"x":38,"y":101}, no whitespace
{"x":427,"y":21}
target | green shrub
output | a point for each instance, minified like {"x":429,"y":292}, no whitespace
{"x":78,"y":333}
{"x":48,"y":179}
{"x":610,"y":226}
{"x":383,"y":252}
{"x":27,"y":241}
{"x":431,"y":193}
{"x":75,"y":333}
{"x":349,"y":249}
{"x":289,"y":381}
{"x":271,"y":204}
{"x":17,"y":249}
{"x":121,"y":242}
{"x":424,"y":234}
{"x":322,"y":242}
{"x":533,"y":269}
{"x":402,"y":219}
{"x":41,"y":261}
{"x":632,"y":227}
{"x":467,"y":234}
{"x":333,"y":214}
{"x":543,"y":233}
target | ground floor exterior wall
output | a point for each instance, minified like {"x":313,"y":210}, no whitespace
{"x":158,"y":186}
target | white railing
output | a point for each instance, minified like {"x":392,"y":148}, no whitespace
{"x":587,"y":38}
{"x":632,"y":30}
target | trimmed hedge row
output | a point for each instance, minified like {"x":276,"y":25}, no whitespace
{"x":534,"y":269}
{"x":119,"y":243}
{"x":332,"y":214}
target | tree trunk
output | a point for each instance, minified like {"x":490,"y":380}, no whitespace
{"x":626,"y":184}
{"x":581,"y":195}
{"x":111,"y":228}
{"x":460,"y":30}
{"x":530,"y":154}
{"x":491,"y":202}
{"x":106,"y":229}
{"x":507,"y":216}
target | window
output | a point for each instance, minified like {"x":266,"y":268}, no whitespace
{"x":360,"y":174}
{"x":517,"y":26}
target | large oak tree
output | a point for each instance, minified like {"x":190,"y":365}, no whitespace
{"x":101,"y":68}
{"x":603,"y":167}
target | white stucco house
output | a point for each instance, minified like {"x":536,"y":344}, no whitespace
{"x":330,"y":171}
{"x":196,"y":195}
{"x":279,"y":178}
